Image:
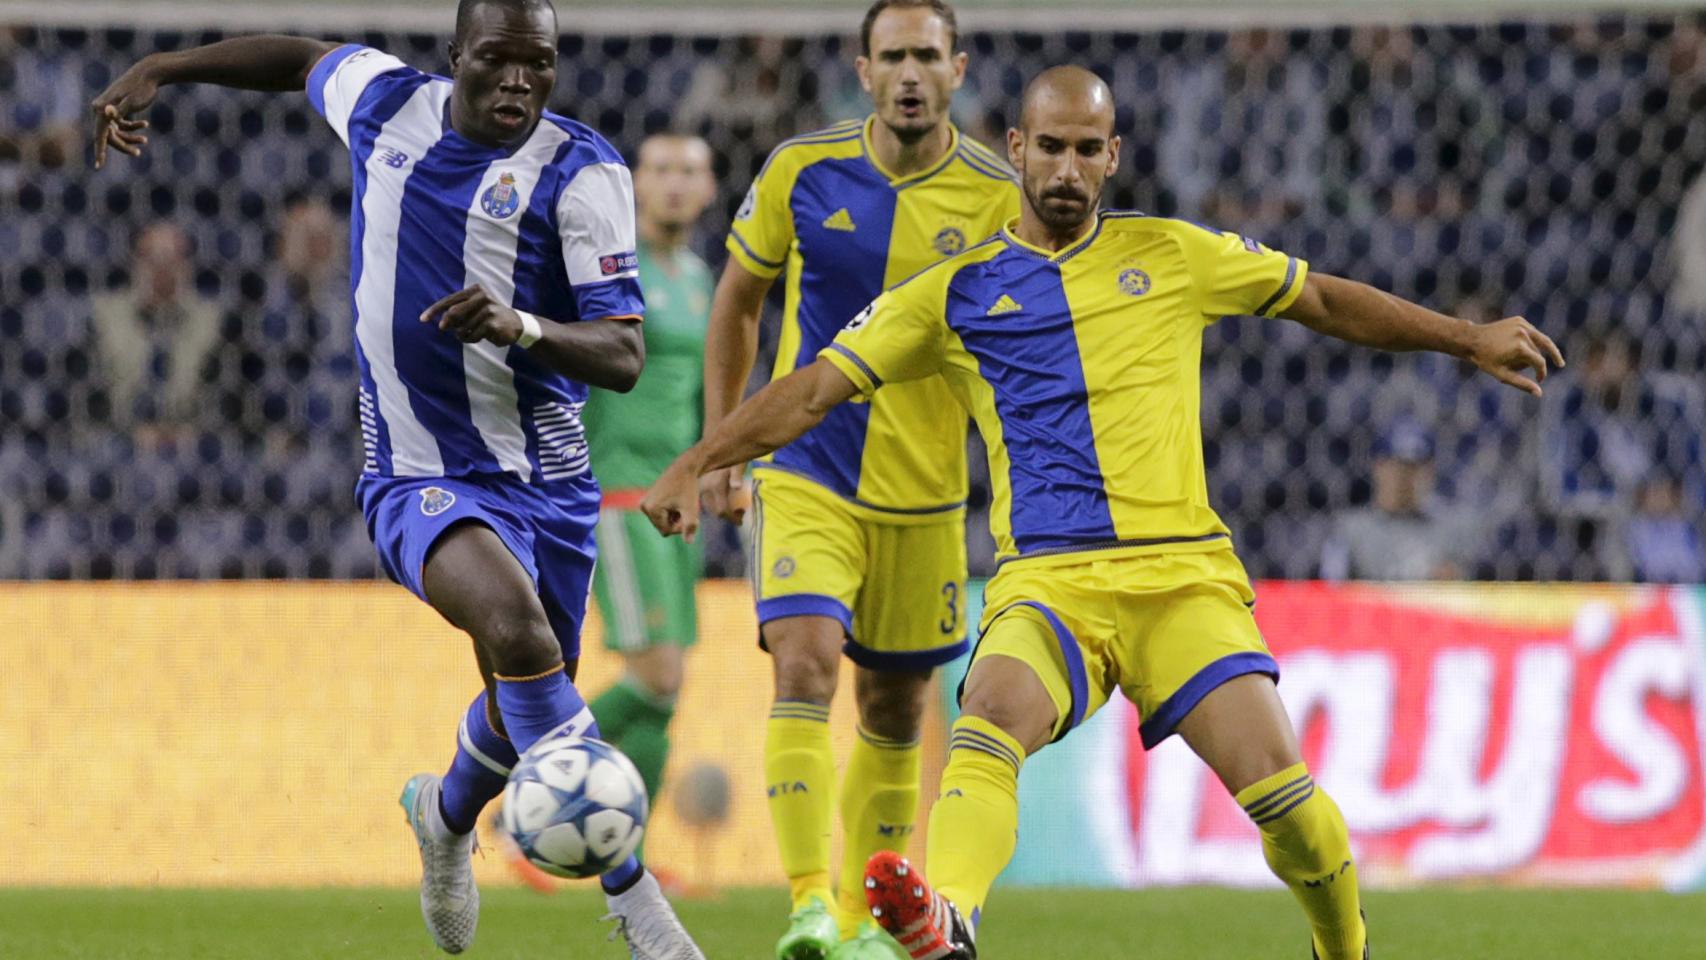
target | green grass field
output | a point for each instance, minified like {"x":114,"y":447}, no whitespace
{"x":1196,"y":924}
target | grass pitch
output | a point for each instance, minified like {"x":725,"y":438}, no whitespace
{"x":1191,"y":924}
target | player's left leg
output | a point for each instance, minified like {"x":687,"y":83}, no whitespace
{"x":908,"y":619}
{"x":1242,"y":732}
{"x":563,"y":547}
{"x":1202,"y":670}
{"x":879,"y":787}
{"x":1030,"y":682}
{"x":975,"y":819}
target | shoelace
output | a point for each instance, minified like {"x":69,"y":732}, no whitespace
{"x":447,"y":858}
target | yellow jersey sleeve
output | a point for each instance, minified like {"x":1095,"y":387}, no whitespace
{"x":901,"y":336}
{"x":1236,"y":276}
{"x":763,"y":228}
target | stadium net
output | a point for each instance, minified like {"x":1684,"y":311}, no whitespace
{"x":176,"y":380}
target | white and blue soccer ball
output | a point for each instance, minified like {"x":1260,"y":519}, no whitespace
{"x":574,"y":806}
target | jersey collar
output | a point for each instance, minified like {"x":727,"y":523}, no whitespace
{"x":900,"y":183}
{"x":1009,"y":232}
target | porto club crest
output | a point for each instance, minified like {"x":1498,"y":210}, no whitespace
{"x":501,"y":199}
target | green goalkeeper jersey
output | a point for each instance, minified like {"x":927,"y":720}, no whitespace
{"x":635,"y":435}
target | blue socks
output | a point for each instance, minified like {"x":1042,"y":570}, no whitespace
{"x":542,"y":705}
{"x":478,"y":772}
{"x":534,"y":708}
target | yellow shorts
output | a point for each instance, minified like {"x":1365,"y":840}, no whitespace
{"x":1165,"y":628}
{"x":898,"y":589}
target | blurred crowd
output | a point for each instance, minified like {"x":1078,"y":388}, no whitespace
{"x":177,"y":386}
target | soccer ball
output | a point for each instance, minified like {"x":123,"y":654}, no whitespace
{"x":574,"y":806}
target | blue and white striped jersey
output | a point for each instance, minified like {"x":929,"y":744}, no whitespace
{"x":546,"y":227}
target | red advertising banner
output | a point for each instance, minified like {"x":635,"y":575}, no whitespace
{"x":1520,"y":734}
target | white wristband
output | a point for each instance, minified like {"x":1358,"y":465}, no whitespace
{"x":531,"y":331}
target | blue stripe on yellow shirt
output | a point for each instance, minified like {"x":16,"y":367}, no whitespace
{"x":1081,"y":368}
{"x":840,"y":229}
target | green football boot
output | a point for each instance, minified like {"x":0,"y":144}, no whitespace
{"x":812,"y":933}
{"x":870,"y":943}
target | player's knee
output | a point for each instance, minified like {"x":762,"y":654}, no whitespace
{"x":803,"y":673}
{"x":891,"y":705}
{"x":519,"y":643}
{"x":1027,"y":721}
{"x":659,"y":671}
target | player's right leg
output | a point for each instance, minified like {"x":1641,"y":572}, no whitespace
{"x":799,"y":775}
{"x":1036,"y":673}
{"x":809,"y":561}
{"x":436,"y":537}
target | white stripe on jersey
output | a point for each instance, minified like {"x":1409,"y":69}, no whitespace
{"x":415,"y":128}
{"x":596,"y":216}
{"x":344,"y":87}
{"x":369,"y":433}
{"x":562,"y":440}
{"x":488,"y":256}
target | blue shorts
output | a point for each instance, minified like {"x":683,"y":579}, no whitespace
{"x":548,"y":526}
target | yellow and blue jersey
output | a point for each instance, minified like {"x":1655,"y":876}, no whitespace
{"x":843,"y":230}
{"x":1081,"y":369}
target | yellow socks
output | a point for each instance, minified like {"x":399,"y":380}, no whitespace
{"x":1307,"y":846}
{"x":975,"y":823}
{"x":879,"y":807}
{"x":799,"y":774}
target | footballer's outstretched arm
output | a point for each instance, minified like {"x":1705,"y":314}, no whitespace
{"x":731,"y":343}
{"x":771,"y":419}
{"x":266,"y":62}
{"x":608,"y":352}
{"x":1360,"y":314}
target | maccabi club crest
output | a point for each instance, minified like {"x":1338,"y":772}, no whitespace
{"x":1134,"y":282}
{"x":501,"y":199}
{"x":949,"y":241}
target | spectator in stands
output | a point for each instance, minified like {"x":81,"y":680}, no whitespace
{"x":155,"y":337}
{"x":1606,"y":434}
{"x":299,"y":362}
{"x":1664,"y":546}
{"x":1243,"y":134}
{"x":1418,"y":128}
{"x":763,"y":92}
{"x":1406,"y":532}
{"x":1614,"y":426}
{"x":41,"y":105}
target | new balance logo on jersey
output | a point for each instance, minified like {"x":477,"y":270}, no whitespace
{"x":840,"y":220}
{"x":894,"y":829}
{"x":1004,"y":305}
{"x":785,"y":788}
{"x":394,"y":158}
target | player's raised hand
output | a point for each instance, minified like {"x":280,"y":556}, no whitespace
{"x":116,"y":108}
{"x":726,"y":494}
{"x":471,"y":315}
{"x":672,"y":501}
{"x":1507,"y":348}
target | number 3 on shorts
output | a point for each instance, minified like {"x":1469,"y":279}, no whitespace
{"x":950,"y":622}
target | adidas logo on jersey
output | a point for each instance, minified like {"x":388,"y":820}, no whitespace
{"x":840,"y":220}
{"x":1004,"y":305}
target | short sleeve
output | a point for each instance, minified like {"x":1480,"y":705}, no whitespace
{"x":901,"y":336}
{"x":336,"y":83}
{"x":595,"y":220}
{"x":1238,"y":276}
{"x":763,"y":228}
